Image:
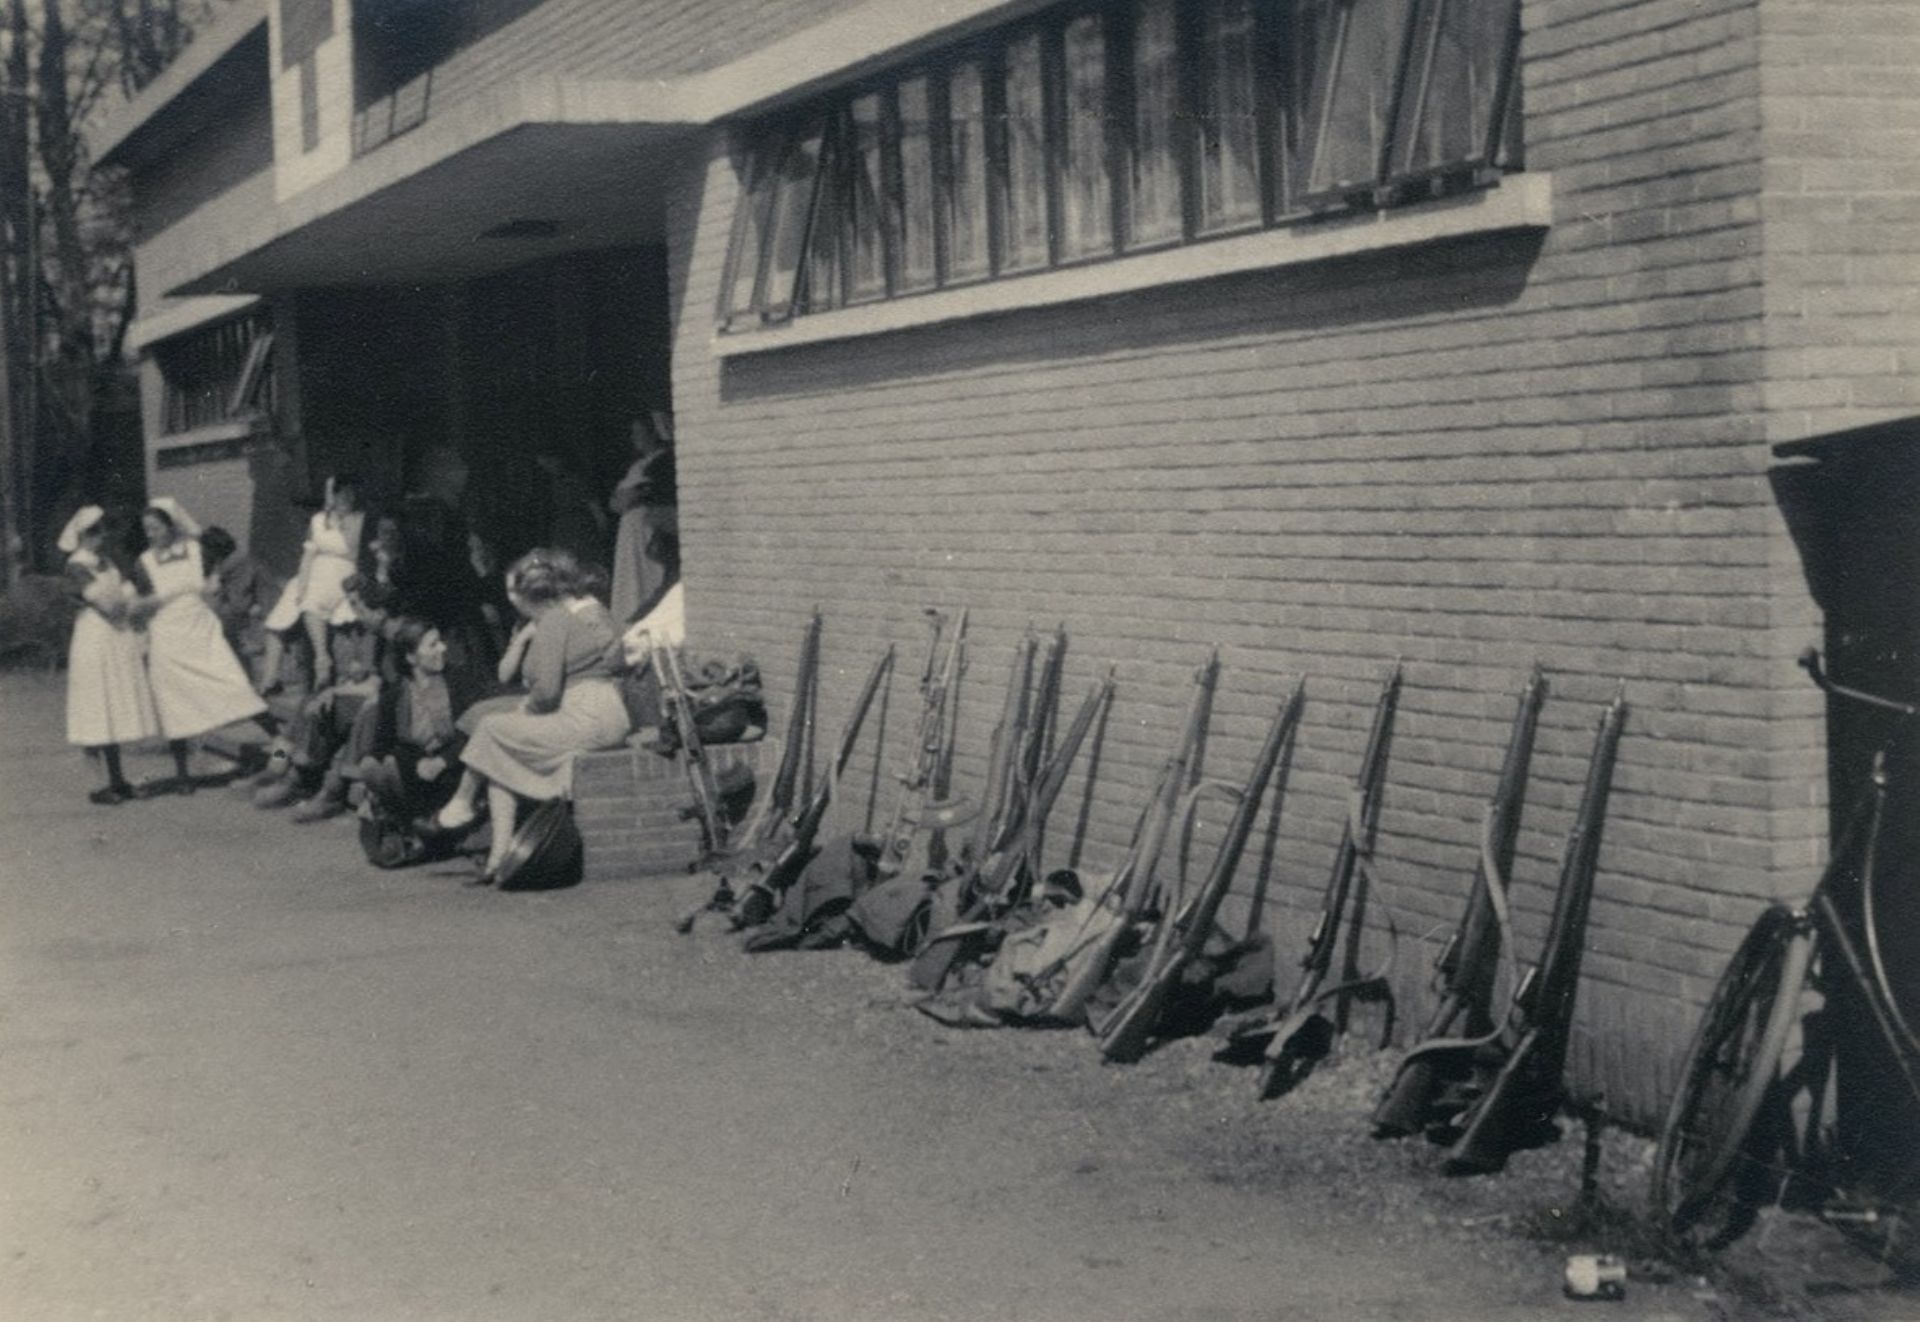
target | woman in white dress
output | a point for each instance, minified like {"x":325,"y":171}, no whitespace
{"x":108,"y":700}
{"x":316,"y":596}
{"x":198,"y":683}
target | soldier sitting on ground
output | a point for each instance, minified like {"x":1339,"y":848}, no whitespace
{"x":306,"y":770}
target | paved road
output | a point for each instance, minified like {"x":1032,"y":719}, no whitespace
{"x":244,"y":1076}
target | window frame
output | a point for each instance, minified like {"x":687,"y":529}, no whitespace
{"x":1283,"y":162}
{"x":218,"y":374}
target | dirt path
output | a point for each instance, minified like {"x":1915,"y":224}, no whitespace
{"x":243,"y":1075}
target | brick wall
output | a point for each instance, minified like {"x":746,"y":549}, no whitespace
{"x":1842,"y":212}
{"x":628,"y":805}
{"x":1841,"y":335}
{"x":1468,"y":456}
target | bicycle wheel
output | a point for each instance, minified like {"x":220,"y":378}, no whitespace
{"x":1711,"y":1169}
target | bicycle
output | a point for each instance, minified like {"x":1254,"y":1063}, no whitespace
{"x":1732,"y":1142}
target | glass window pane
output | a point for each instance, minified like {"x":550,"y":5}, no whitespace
{"x":1023,"y":193}
{"x":965,"y":201}
{"x":865,"y":243}
{"x":1229,"y":117}
{"x":1154,"y":204}
{"x":1453,"y":81}
{"x":917,"y":266}
{"x":1086,"y":191}
{"x":1352,"y":93}
{"x":823,"y":290}
{"x":749,"y":230}
{"x":793,"y":197}
{"x":1302,"y":41}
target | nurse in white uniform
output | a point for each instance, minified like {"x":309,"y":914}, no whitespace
{"x":198,"y":683}
{"x":108,"y":700}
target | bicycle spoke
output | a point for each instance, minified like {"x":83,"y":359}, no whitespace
{"x":1715,"y":1165}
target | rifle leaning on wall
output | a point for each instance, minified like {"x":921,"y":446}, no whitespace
{"x":1516,"y":1073}
{"x":769,"y":876}
{"x":904,"y":847}
{"x":1127,"y":1032}
{"x":999,"y":797}
{"x":707,"y":808}
{"x":766,"y":832}
{"x":1132,"y":885}
{"x":1467,"y":967}
{"x":1007,"y":875}
{"x":1040,"y":725}
{"x":1292,"y":1041}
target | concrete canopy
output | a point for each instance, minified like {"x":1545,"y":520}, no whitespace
{"x":534,"y":191}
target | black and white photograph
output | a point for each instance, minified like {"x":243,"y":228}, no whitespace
{"x":959,"y":660}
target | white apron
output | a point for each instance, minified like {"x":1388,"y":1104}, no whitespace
{"x":108,"y":699}
{"x":198,"y":683}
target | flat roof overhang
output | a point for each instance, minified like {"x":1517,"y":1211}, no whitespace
{"x":220,"y":59}
{"x":582,"y":161}
{"x":582,"y":153}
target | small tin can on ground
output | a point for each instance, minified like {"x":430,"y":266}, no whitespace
{"x":1596,"y":1276}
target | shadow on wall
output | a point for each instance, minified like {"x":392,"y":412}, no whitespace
{"x":1376,"y":287}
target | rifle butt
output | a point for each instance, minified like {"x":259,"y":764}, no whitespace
{"x":1302,"y":1041}
{"x":1514,"y":1113}
{"x":1125,"y":1035}
{"x":1071,"y":1003}
{"x":1404,"y":1107}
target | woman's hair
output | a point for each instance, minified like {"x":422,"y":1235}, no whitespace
{"x":372,"y":593}
{"x":592,"y":581}
{"x":154,"y":511}
{"x":350,"y":487}
{"x":544,"y":574}
{"x":216,"y":546}
{"x":406,"y":634}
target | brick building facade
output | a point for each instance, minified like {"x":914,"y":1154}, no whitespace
{"x":1515,"y":412}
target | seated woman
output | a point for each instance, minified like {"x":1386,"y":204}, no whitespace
{"x":407,"y":746}
{"x":316,"y":596}
{"x":572,"y":705}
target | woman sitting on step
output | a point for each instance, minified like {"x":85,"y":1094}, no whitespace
{"x":407,"y":746}
{"x":572,"y":705}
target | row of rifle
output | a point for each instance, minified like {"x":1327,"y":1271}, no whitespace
{"x":1139,"y":954}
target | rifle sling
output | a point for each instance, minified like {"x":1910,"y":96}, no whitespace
{"x":1497,"y":895}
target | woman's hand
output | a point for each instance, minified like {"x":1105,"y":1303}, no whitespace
{"x":516,"y":653}
{"x":430,"y":768}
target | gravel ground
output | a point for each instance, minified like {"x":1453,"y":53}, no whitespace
{"x":243,"y":1075}
{"x":1180,"y":1112}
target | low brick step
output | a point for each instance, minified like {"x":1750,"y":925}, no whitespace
{"x":627,"y":804}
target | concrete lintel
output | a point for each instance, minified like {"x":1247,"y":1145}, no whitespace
{"x":234,"y":24}
{"x":844,"y":46}
{"x":185,"y":314}
{"x":490,"y":117}
{"x":1518,"y":202}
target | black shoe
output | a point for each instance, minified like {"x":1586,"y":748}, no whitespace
{"x":107,"y":795}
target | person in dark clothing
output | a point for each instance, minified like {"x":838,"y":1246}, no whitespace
{"x":241,"y":593}
{"x":407,"y":748}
